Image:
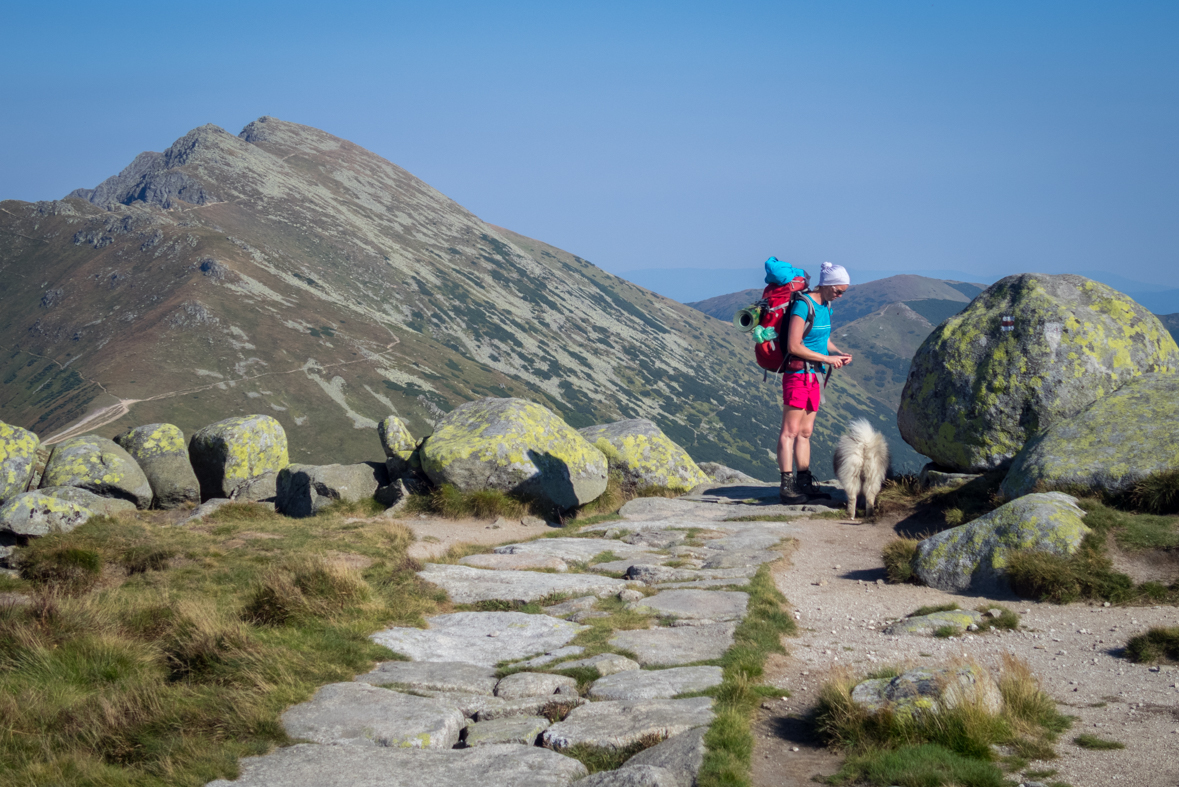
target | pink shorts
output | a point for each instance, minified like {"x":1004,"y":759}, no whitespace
{"x":802,"y":391}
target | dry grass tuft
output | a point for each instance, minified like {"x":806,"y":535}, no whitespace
{"x":898,"y":558}
{"x":305,"y":588}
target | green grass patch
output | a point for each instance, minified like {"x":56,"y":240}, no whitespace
{"x":597,"y":759}
{"x":1159,"y":645}
{"x":730,"y":740}
{"x":1007,"y":619}
{"x":898,"y":557}
{"x":180,"y":658}
{"x":946,"y":748}
{"x":1158,"y":493}
{"x":1089,"y":741}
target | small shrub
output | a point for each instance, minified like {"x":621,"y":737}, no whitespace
{"x":954,"y":517}
{"x":141,"y":559}
{"x":68,"y":569}
{"x":1158,"y":493}
{"x":1007,"y":618}
{"x":898,"y":558}
{"x":1088,"y":741}
{"x":1157,"y":645}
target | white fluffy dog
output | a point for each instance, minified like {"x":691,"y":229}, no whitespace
{"x":861,"y":464}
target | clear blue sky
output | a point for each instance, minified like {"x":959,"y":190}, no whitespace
{"x":988,"y":138}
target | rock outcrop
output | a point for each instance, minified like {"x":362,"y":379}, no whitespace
{"x":98,"y":465}
{"x":973,"y":557}
{"x":398,"y":445}
{"x":514,"y":446}
{"x":303,"y":490}
{"x":107,"y":506}
{"x":35,"y":514}
{"x":923,"y":691}
{"x":232,"y":451}
{"x":160,"y":451}
{"x":1029,"y":352}
{"x":645,"y":455}
{"x":1115,"y":442}
{"x":18,"y":454}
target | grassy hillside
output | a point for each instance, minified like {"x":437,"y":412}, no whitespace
{"x":289,"y":272}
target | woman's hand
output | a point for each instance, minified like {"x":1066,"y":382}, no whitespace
{"x":839,"y":361}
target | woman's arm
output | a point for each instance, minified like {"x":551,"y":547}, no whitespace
{"x":833,"y":350}
{"x":795,"y":347}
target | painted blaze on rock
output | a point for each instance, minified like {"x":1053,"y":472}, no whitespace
{"x":100,"y":466}
{"x":1112,"y":444}
{"x":977,"y":392}
{"x":229,"y":452}
{"x":160,"y":451}
{"x":514,"y":446}
{"x":974,"y":556}
{"x":645,"y":455}
{"x":18,"y":453}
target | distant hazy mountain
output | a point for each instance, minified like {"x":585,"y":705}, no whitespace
{"x":289,"y":272}
{"x":1172,"y":323}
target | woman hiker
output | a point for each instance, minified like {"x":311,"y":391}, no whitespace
{"x":802,"y":390}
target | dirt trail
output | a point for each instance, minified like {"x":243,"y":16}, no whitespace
{"x":1075,"y":650}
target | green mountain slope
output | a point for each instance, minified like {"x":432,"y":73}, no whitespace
{"x":1171,"y":321}
{"x":289,"y":272}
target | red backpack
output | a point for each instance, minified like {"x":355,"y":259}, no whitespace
{"x":776,"y":302}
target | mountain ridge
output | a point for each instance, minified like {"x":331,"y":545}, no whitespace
{"x":312,"y":280}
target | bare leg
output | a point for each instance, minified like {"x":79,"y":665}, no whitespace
{"x":791,"y":426}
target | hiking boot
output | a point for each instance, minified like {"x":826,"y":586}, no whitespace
{"x":806,"y":486}
{"x":788,"y":493}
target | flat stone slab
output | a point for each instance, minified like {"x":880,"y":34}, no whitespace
{"x":655,"y":684}
{"x":573,"y":605}
{"x":531,"y":706}
{"x":574,"y":549}
{"x":469,"y":705}
{"x":512,"y":729}
{"x":657,"y":575}
{"x":696,"y":604}
{"x":681,"y":754}
{"x":523,"y":561}
{"x":927,"y":625}
{"x":433,"y":676}
{"x":357,"y":714}
{"x":467,"y":585}
{"x":700,"y":583}
{"x":503,"y":765}
{"x":616,"y":725}
{"x":483,"y":638}
{"x":740,"y":559}
{"x":656,"y":539}
{"x":639,"y":776}
{"x":677,"y":645}
{"x":604,"y":663}
{"x":532,"y":684}
{"x":622,"y":566}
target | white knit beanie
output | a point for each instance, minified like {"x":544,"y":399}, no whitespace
{"x":831,"y":274}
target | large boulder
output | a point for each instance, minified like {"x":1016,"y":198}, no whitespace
{"x":973,"y":557}
{"x":100,"y":466}
{"x":1029,"y":352}
{"x":1115,"y":442}
{"x":235,"y":450}
{"x":398,"y":445}
{"x":160,"y":451}
{"x":107,"y":506}
{"x":35,"y":514}
{"x":18,"y":454}
{"x":514,"y":446}
{"x":645,"y":455}
{"x":303,"y":490}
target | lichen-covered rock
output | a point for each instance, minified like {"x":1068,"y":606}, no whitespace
{"x":35,"y":514}
{"x":928,"y":625}
{"x":18,"y":454}
{"x":303,"y":490}
{"x":514,"y":446}
{"x":259,"y":489}
{"x":99,"y":465}
{"x":1115,"y":442}
{"x":645,"y":455}
{"x":107,"y":506}
{"x":922,"y":691}
{"x":160,"y":452}
{"x":720,"y":474}
{"x":229,"y":452}
{"x":974,"y":556}
{"x":398,"y":445}
{"x":977,"y":392}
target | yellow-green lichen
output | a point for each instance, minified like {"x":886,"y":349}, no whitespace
{"x":646,"y":456}
{"x":232,"y":451}
{"x":18,"y":451}
{"x":99,"y":465}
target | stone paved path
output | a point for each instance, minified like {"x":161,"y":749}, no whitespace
{"x":444,"y":717}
